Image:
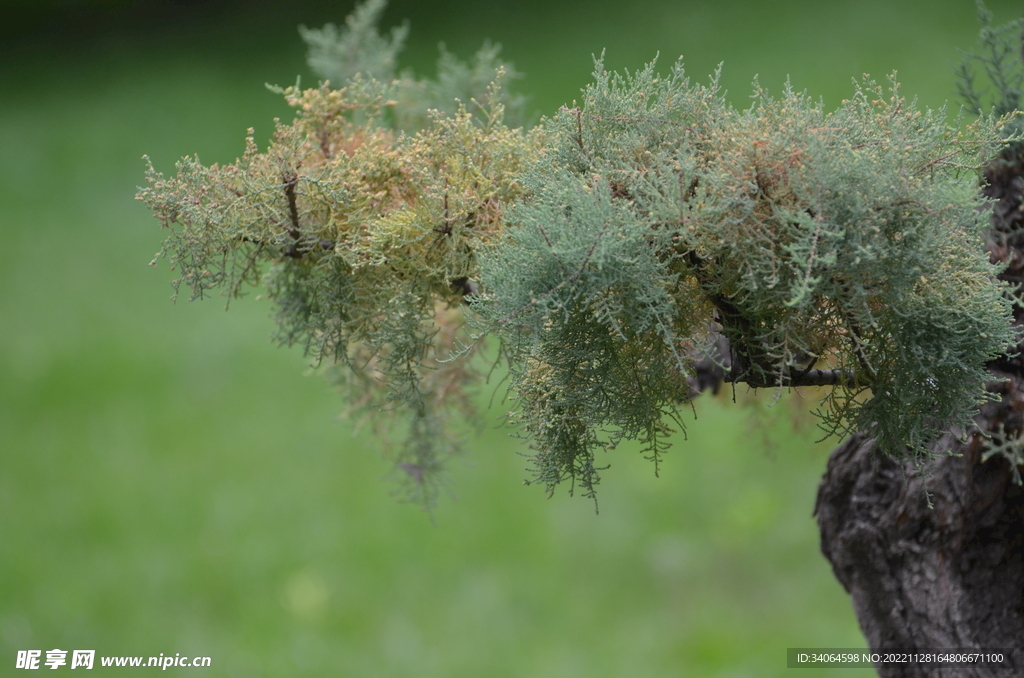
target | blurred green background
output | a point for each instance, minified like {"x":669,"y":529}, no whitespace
{"x":170,"y":482}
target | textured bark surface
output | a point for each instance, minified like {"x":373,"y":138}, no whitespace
{"x":949,"y":576}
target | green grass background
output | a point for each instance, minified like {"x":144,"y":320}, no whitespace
{"x":171,"y":482}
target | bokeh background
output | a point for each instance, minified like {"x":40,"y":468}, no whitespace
{"x":171,"y":482}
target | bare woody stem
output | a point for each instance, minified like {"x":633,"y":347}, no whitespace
{"x":794,"y":376}
{"x":290,"y":180}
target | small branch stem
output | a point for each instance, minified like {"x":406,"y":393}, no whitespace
{"x":290,"y":180}
{"x":795,"y":377}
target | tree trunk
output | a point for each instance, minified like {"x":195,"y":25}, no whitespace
{"x":950,"y":575}
{"x":928,"y":578}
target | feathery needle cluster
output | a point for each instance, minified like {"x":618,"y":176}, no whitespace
{"x":395,"y":223}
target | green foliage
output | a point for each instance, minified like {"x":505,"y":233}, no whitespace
{"x":1009,"y":446}
{"x":338,"y":55}
{"x":1000,"y":61}
{"x":1001,"y":66}
{"x":359,"y":51}
{"x":596,"y":325}
{"x":658,"y":215}
{"x":607,"y":248}
{"x":365,"y":238}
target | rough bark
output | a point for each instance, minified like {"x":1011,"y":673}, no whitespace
{"x":950,"y":575}
{"x":927,"y":578}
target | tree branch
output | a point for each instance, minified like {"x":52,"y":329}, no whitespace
{"x":794,"y":376}
{"x":290,"y":180}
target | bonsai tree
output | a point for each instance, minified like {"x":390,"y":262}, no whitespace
{"x":637,"y":246}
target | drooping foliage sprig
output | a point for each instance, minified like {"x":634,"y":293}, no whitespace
{"x":999,"y":60}
{"x":608,"y":248}
{"x":358,"y":50}
{"x":364,"y":235}
{"x":659,"y":215}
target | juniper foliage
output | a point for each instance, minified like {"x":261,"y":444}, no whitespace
{"x":359,"y":51}
{"x":363,"y":235}
{"x":1000,"y":62}
{"x":339,"y":54}
{"x":998,"y":59}
{"x":606,"y":247}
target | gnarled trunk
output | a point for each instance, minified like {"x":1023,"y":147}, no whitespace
{"x":927,"y":578}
